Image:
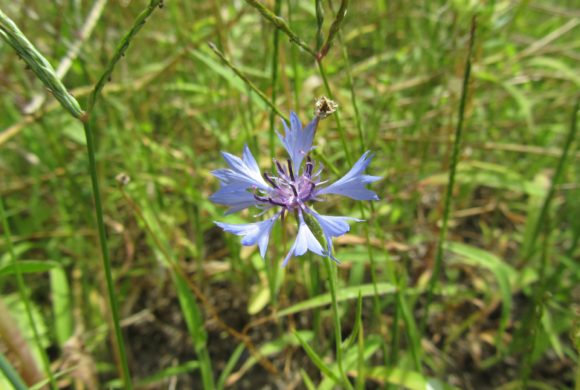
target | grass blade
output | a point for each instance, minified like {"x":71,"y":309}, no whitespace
{"x":11,"y":374}
{"x":317,"y":360}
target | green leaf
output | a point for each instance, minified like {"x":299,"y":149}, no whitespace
{"x":275,"y":347}
{"x":29,"y":267}
{"x":345,"y":294}
{"x":191,"y":312}
{"x":258,"y":299}
{"x":411,"y":380}
{"x":61,"y":305}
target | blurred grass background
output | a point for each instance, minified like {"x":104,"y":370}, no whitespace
{"x":200,"y":311}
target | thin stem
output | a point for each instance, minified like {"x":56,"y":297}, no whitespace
{"x":274,"y":78}
{"x":331,"y":269}
{"x":319,"y":24}
{"x":246,"y":80}
{"x":452,"y":170}
{"x":120,"y":52}
{"x":294,"y":60}
{"x":24,"y":297}
{"x":91,"y":151}
{"x":281,"y":24}
{"x":272,"y":267}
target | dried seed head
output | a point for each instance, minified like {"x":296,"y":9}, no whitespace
{"x":324,"y":107}
{"x":123,"y":179}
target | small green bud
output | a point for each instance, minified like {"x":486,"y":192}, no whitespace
{"x":316,"y":230}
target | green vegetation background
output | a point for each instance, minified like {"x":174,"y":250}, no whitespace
{"x":197,"y":309}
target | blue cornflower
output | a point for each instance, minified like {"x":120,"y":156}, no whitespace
{"x":294,"y":187}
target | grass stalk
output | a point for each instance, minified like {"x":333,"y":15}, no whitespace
{"x":319,"y":24}
{"x":452,"y":170}
{"x":274,"y":79}
{"x":25,"y":300}
{"x":91,"y":151}
{"x":246,"y":80}
{"x":557,"y":176}
{"x":281,"y":24}
{"x":336,"y":115}
{"x":331,"y":271}
{"x":534,"y":316}
{"x":272,"y":267}
{"x":113,"y":301}
{"x":120,"y":51}
{"x":295,"y":67}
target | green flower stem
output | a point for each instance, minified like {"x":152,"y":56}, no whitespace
{"x":331,"y":271}
{"x":26,"y":301}
{"x":451,"y":184}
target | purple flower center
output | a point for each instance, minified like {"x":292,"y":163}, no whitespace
{"x":288,"y":190}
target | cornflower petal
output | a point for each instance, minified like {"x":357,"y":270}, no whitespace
{"x":352,"y":184}
{"x":236,"y":199}
{"x":242,"y":173}
{"x":305,"y":240}
{"x":252,"y":233}
{"x":297,"y":140}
